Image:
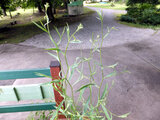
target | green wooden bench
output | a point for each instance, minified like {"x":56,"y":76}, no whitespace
{"x":30,"y":92}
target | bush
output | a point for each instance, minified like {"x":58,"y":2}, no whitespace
{"x":142,"y":14}
{"x":0,"y":12}
{"x":150,"y":16}
{"x":133,"y":2}
{"x":133,"y":11}
{"x":127,"y":18}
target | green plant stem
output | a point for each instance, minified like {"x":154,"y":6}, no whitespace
{"x":91,"y":76}
{"x":68,"y":71}
{"x":66,"y":61}
{"x":101,"y":58}
{"x":90,"y":82}
{"x":72,"y":93}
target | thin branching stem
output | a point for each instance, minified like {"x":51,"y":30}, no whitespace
{"x":101,"y":57}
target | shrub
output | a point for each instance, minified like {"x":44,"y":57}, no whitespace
{"x":133,"y":11}
{"x":150,"y":16}
{"x":0,"y":12}
{"x":133,"y":2}
{"x":89,"y":110}
{"x":142,"y":14}
{"x":127,"y":18}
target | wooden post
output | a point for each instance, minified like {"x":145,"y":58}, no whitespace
{"x":55,"y":69}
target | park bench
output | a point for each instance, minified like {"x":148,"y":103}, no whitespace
{"x":30,"y":92}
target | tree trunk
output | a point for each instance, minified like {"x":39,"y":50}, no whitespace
{"x":54,"y":8}
{"x":39,"y":7}
{"x":33,"y":10}
{"x":4,"y":11}
{"x":49,"y":10}
{"x":10,"y":14}
{"x":50,"y":13}
{"x":66,"y":2}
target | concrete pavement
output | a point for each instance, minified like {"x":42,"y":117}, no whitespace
{"x":137,"y":92}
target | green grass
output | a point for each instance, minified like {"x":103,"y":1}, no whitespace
{"x":108,"y":6}
{"x":88,"y":11}
{"x":136,"y":25}
{"x":25,"y":28}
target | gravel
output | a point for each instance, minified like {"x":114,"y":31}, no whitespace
{"x":123,"y":34}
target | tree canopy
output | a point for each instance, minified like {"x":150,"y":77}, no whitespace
{"x":11,"y":5}
{"x":132,"y":2}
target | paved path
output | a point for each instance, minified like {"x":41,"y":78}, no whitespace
{"x":135,"y":49}
{"x":122,"y":35}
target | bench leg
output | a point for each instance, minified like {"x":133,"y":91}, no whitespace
{"x":55,"y":69}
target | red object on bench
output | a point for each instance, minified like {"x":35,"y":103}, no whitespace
{"x":55,"y":69}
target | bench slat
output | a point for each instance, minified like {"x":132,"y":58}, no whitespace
{"x":21,"y":74}
{"x":27,"y":107}
{"x":26,"y":92}
{"x":7,"y":94}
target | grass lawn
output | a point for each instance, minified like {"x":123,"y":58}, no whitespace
{"x":117,"y":6}
{"x":136,"y":25}
{"x":24,"y":28}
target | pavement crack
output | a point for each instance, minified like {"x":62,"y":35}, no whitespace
{"x":155,"y":67}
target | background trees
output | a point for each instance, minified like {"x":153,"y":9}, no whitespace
{"x":132,"y":2}
{"x":0,"y":12}
{"x":4,"y":5}
{"x":142,"y":12}
{"x":11,"y":5}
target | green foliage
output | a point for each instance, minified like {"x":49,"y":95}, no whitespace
{"x":58,"y":3}
{"x":88,"y":110}
{"x":133,"y":2}
{"x":4,"y":3}
{"x":150,"y":16}
{"x":127,"y":18}
{"x":145,"y":13}
{"x":0,"y":12}
{"x":40,"y":115}
{"x":117,"y":6}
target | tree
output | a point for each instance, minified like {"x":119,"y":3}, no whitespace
{"x":66,"y":2}
{"x":49,"y":9}
{"x":38,"y":4}
{"x":142,"y":12}
{"x":132,"y":2}
{"x":8,"y":5}
{"x":4,"y":4}
{"x":12,"y":6}
{"x":0,"y":12}
{"x":35,"y":3}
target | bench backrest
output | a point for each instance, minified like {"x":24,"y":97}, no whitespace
{"x":30,"y":92}
{"x":25,"y":92}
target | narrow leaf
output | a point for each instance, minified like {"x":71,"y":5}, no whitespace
{"x":81,"y":95}
{"x":85,"y":86}
{"x":86,"y":105}
{"x":56,"y":49}
{"x":106,"y":112}
{"x":40,"y":26}
{"x":105,"y":91}
{"x":53,"y":56}
{"x":57,"y":31}
{"x":53,"y":115}
{"x":113,"y":66}
{"x":42,"y":75}
{"x":124,"y":115}
{"x":75,"y":41}
{"x":110,"y":75}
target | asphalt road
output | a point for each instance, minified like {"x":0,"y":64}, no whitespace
{"x":134,"y":49}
